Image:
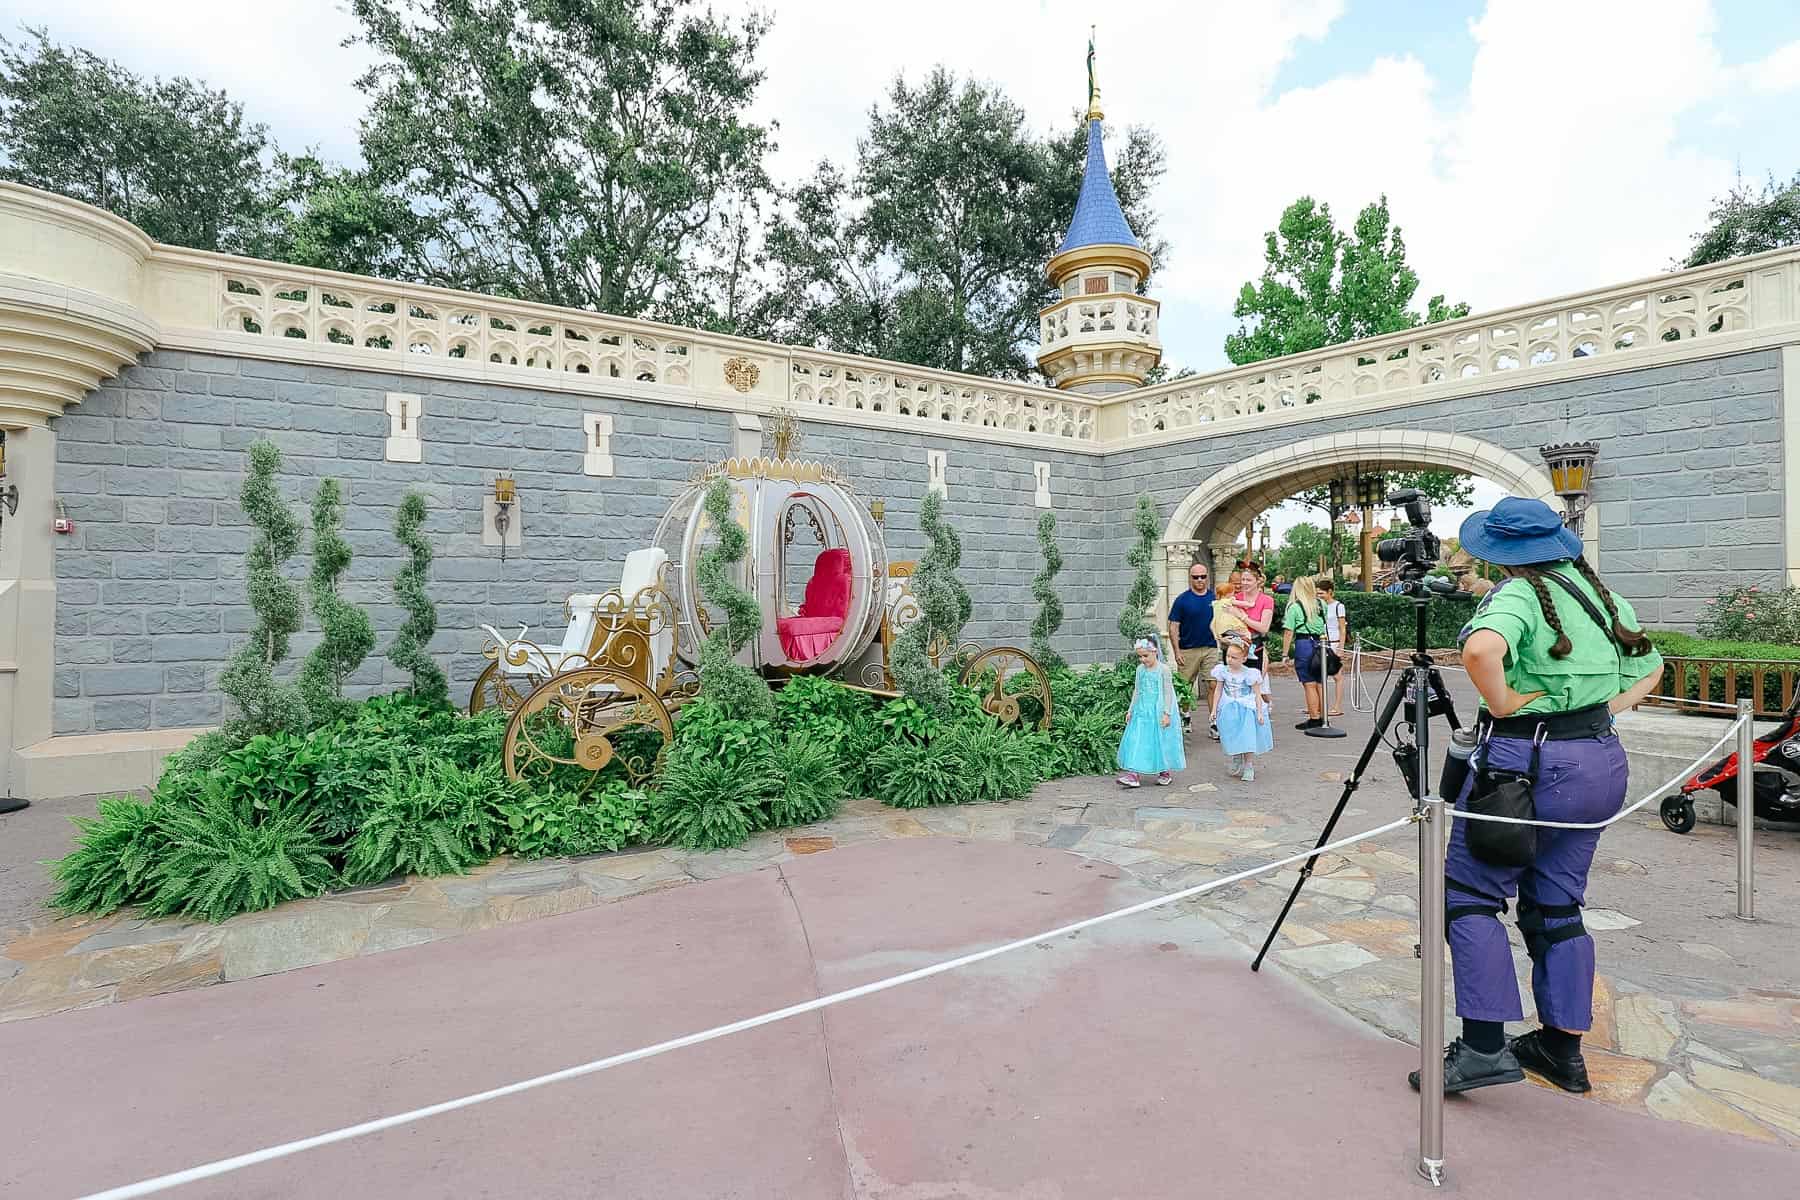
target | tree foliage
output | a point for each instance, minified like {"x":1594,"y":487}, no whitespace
{"x":944,"y":608}
{"x":408,"y":650}
{"x":573,"y":152}
{"x":1321,"y":286}
{"x":931,"y":248}
{"x":1747,"y":222}
{"x":348,"y":634}
{"x":172,"y":156}
{"x":1043,"y":589}
{"x":1134,"y":622}
{"x":265,"y":706}
{"x":739,"y":692}
{"x":1301,"y":548}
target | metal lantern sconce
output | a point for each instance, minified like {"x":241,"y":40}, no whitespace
{"x":1572,"y":476}
{"x":1368,"y":491}
{"x":505,"y":496}
{"x":878,"y":510}
{"x":1339,"y":496}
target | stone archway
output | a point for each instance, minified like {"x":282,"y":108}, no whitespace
{"x":1216,"y":510}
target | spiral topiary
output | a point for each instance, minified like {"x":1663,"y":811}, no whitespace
{"x":944,"y":609}
{"x":1043,"y":589}
{"x":1133,"y":624}
{"x":739,"y":692}
{"x":408,"y":649}
{"x":348,"y":635}
{"x":263,"y":705}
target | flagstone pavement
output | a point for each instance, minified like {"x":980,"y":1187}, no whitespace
{"x":1697,"y":1015}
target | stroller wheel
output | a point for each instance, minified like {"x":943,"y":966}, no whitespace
{"x":1678,"y":814}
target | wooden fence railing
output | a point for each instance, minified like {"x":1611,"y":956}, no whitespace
{"x":1769,"y":683}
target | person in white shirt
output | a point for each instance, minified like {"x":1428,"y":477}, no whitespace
{"x":1337,"y":628}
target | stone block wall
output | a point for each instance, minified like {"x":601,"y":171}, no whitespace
{"x":151,"y":602}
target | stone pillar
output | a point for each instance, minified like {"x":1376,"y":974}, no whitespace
{"x":1224,"y":554}
{"x":1365,"y":548}
{"x":27,"y":595}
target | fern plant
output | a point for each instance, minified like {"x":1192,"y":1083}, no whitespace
{"x":113,"y":858}
{"x":739,"y":691}
{"x":1043,"y":589}
{"x":1133,"y":624}
{"x":348,"y":634}
{"x":812,"y":784}
{"x":433,"y":818}
{"x":429,"y":686}
{"x":707,"y":803}
{"x":221,"y":857}
{"x":263,"y":705}
{"x":991,"y":764}
{"x":911,"y":775}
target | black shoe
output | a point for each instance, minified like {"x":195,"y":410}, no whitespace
{"x":1569,"y":1074}
{"x":1310,"y":723}
{"x":1466,"y":1067}
{"x":1212,"y":731}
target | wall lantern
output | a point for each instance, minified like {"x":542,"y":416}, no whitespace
{"x":878,"y":510}
{"x":1369,"y":491}
{"x":1339,"y":492}
{"x":505,"y":496}
{"x":1572,"y":476}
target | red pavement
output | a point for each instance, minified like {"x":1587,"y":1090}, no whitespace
{"x":1141,"y":1059}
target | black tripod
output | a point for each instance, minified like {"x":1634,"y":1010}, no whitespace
{"x":1420,"y":680}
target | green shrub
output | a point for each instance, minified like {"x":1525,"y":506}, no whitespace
{"x":1134,"y":623}
{"x":707,"y":803}
{"x":1043,"y":589}
{"x":944,"y":608}
{"x":431,"y":818}
{"x":1389,"y":620}
{"x":263,"y":705}
{"x":908,"y":774}
{"x":812,"y":784}
{"x":1753,"y":614}
{"x":909,"y":720}
{"x":563,"y":823}
{"x":114,"y":856}
{"x":1086,"y":742}
{"x":408,"y":650}
{"x":703,"y":727}
{"x":223,"y":856}
{"x":991,"y":763}
{"x":347,"y":635}
{"x":1673,"y":644}
{"x":731,"y":685}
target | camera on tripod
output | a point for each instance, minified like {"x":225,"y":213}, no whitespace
{"x":1415,"y":551}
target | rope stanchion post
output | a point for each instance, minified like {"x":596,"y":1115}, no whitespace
{"x":1746,"y":811}
{"x":1431,"y":958}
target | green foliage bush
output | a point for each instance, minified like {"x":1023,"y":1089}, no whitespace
{"x":916,"y":774}
{"x":1673,"y":644}
{"x":263,"y":705}
{"x":990,"y":763}
{"x":561,"y":823}
{"x":812,"y":784}
{"x":408,"y":651}
{"x":430,"y":818}
{"x":115,"y":854}
{"x":347,"y":634}
{"x":1752,"y":614}
{"x":224,"y":855}
{"x":1134,"y":623}
{"x":1043,"y":589}
{"x":944,"y":608}
{"x":739,"y":691}
{"x":1389,"y":620}
{"x":707,"y":803}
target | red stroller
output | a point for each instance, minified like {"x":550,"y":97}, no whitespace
{"x":1775,"y":795}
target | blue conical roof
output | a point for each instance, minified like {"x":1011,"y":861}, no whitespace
{"x":1099,"y":221}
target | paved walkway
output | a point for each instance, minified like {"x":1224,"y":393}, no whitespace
{"x":1137,"y":1059}
{"x":1698,"y":1015}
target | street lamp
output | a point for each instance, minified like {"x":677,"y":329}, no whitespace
{"x":1571,"y":477}
{"x":1263,"y":529}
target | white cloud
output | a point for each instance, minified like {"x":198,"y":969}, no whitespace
{"x":1779,"y":72}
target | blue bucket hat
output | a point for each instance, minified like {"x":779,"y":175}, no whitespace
{"x":1517,"y":533}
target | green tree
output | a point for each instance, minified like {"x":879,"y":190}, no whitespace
{"x":567,"y":151}
{"x":347,"y":634}
{"x":172,"y":156}
{"x":1445,"y":488}
{"x":408,"y":650}
{"x":1147,"y":526}
{"x":265,"y":706}
{"x":1301,"y":548}
{"x":1321,"y":286}
{"x":343,"y":219}
{"x":1043,"y":589}
{"x":1745,"y":222}
{"x":944,"y":608}
{"x":932,"y":249}
{"x":739,"y":692}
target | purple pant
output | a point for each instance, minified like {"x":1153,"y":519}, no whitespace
{"x":1581,"y":780}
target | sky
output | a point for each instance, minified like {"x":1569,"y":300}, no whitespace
{"x":1528,"y":148}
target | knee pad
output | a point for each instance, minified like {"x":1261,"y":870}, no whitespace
{"x":1539,"y":937}
{"x":1471,"y":902}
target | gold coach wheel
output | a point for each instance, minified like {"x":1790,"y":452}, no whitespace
{"x":1009,"y":662}
{"x":590,"y":718}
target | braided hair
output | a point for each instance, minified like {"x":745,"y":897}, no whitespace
{"x":1632,"y":641}
{"x":1534,"y":575}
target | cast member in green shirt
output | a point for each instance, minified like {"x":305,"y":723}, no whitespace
{"x":1302,"y":640}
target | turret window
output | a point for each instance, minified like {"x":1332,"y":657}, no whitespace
{"x":1123,"y":283}
{"x":1094,"y":285}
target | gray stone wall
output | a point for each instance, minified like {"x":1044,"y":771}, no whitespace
{"x":1689,"y":476}
{"x":150,"y":586}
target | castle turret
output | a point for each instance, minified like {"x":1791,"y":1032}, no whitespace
{"x":1099,"y":335}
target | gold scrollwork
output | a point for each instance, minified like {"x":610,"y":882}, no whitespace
{"x":584,"y":718}
{"x":1000,"y":702}
{"x":741,"y":373}
{"x":495,"y":688}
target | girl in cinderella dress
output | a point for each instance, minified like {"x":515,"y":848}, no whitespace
{"x":1243,"y":717}
{"x":1152,"y":740}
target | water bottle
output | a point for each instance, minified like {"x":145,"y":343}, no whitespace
{"x":1456,"y":765}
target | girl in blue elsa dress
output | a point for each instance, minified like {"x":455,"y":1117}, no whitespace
{"x":1152,"y":740}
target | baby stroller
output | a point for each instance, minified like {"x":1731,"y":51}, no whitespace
{"x":1775,"y":795}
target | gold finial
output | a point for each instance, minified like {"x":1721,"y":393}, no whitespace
{"x":784,"y":432}
{"x":1094,"y":113}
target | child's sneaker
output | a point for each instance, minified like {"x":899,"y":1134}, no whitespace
{"x":1249,"y":775}
{"x":1236,"y":769}
{"x":1129,"y":780}
{"x":1165,"y":779}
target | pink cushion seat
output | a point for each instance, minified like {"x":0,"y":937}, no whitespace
{"x":811,"y":632}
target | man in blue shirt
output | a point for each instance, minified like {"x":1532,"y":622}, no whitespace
{"x":1196,"y":650}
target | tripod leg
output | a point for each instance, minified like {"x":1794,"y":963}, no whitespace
{"x":1382,"y":722}
{"x":1449,"y":706}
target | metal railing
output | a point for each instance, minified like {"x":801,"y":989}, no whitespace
{"x":1682,"y":674}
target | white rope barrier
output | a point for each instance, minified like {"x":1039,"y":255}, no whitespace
{"x":1657,"y":792}
{"x":1677,"y":700}
{"x":162,"y":1183}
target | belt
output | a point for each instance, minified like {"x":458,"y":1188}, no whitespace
{"x":1591,"y":722}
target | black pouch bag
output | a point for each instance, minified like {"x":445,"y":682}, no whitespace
{"x":1504,"y":794}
